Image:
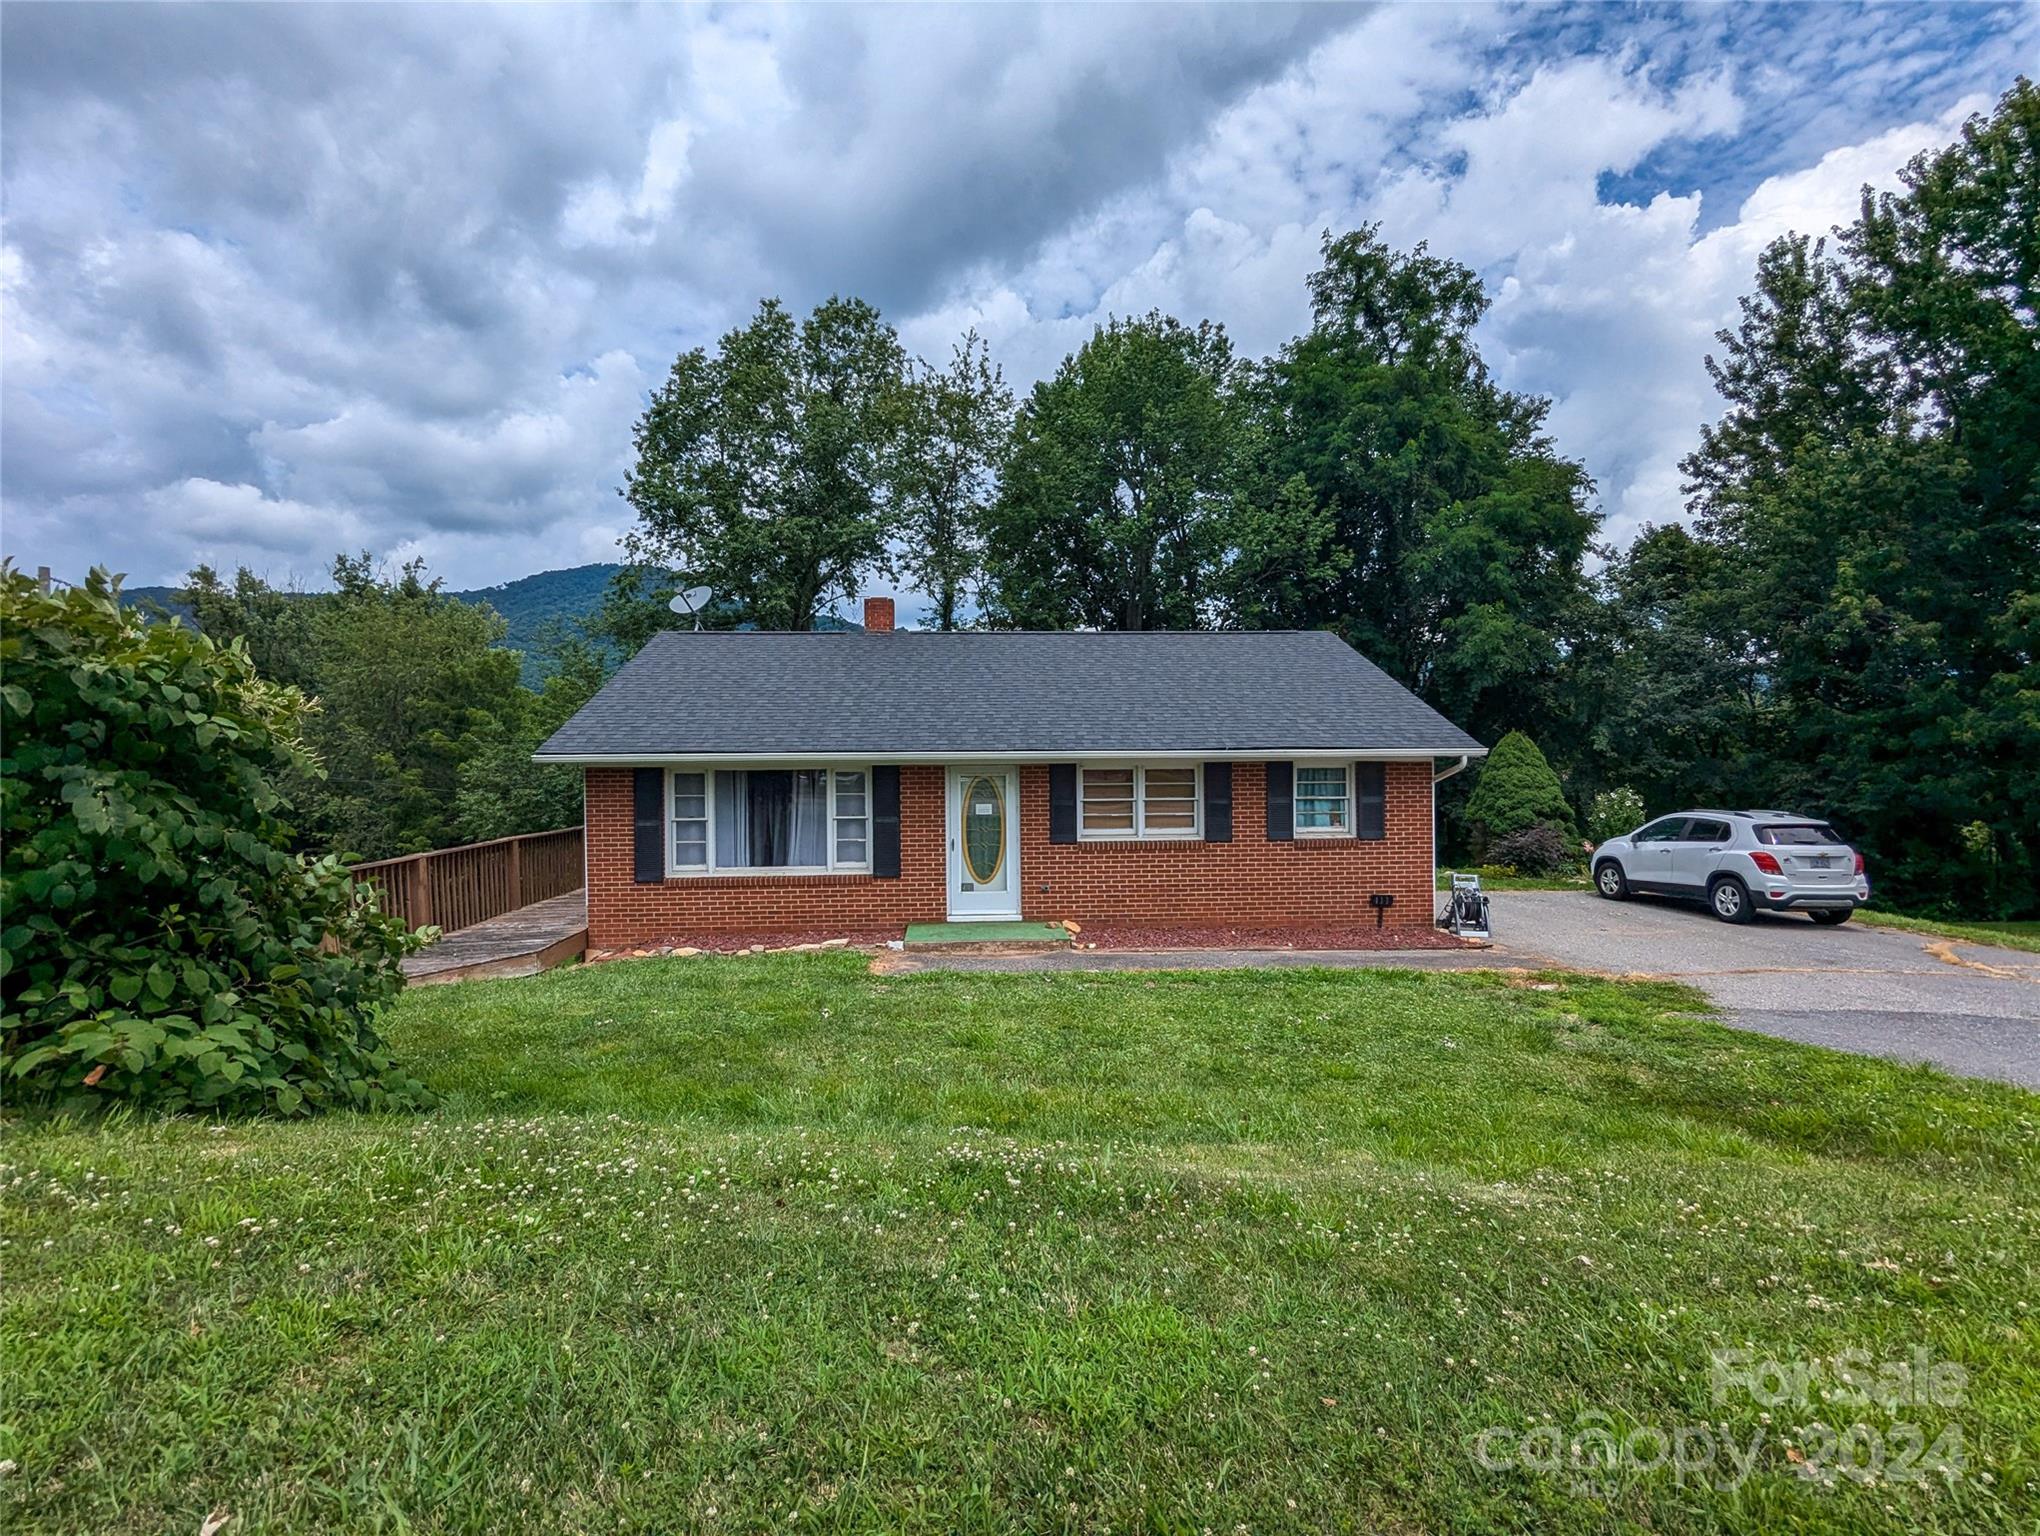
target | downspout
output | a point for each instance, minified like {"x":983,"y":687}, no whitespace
{"x":1438,"y":778}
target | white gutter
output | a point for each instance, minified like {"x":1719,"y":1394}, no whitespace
{"x":1458,"y":767}
{"x":1438,"y":778}
{"x":1132,"y":754}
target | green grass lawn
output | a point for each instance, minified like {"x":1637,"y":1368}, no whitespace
{"x":2009,"y":935}
{"x":1502,"y":880}
{"x":774,"y":1243}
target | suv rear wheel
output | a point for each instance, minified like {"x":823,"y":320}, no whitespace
{"x":1729,"y":899}
{"x":1608,"y":880}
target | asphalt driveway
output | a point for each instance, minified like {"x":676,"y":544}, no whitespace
{"x":1969,"y":1008}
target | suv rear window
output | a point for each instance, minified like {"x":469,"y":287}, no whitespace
{"x":1802,"y":835}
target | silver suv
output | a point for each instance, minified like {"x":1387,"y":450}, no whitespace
{"x":1736,"y":862}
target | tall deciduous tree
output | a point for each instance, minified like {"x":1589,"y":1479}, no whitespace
{"x":769,"y":469}
{"x":408,"y":683}
{"x":1652,"y":697}
{"x":502,"y":792}
{"x":962,"y":416}
{"x":412,"y":683}
{"x":1120,"y":483}
{"x":275,"y":625}
{"x":1872,"y":491}
{"x":1464,"y":533}
{"x":1285,"y":559}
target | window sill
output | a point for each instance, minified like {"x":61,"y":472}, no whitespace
{"x":750,"y":876}
{"x":1107,"y":839}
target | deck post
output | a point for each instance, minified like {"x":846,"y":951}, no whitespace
{"x":516,"y":871}
{"x":421,"y":890}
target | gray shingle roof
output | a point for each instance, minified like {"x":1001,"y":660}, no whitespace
{"x":1029,"y":694}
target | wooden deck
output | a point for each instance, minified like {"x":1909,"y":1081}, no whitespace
{"x":520,"y":943}
{"x":455,"y":888}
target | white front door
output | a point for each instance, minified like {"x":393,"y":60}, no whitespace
{"x":984,"y":843}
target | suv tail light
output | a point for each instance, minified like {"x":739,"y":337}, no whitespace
{"x":1767,"y":862}
{"x":1859,"y":863}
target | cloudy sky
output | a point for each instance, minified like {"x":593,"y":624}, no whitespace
{"x":280,"y":280}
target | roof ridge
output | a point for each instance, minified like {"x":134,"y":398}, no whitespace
{"x":987,"y":634}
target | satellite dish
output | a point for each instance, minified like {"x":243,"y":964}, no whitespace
{"x":692,"y":601}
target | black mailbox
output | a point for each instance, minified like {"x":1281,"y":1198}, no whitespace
{"x":1381,"y":901}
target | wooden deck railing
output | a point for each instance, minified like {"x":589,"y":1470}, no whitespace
{"x":456,"y":888}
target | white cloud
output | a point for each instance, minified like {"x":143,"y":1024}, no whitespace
{"x":215,"y":516}
{"x":522,"y":468}
{"x":1609,"y":307}
{"x":281,"y":280}
{"x":1615,"y":314}
{"x":598,"y":213}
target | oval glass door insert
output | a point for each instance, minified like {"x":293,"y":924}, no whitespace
{"x":984,"y":829}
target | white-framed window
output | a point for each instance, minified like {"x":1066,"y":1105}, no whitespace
{"x":1324,"y":799}
{"x":1137,"y":800}
{"x":811,"y":821}
{"x":687,"y":820}
{"x":851,"y":818}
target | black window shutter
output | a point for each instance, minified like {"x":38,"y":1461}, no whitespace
{"x":885,"y":823}
{"x":1281,"y":802}
{"x":648,"y":818}
{"x":1370,"y":800}
{"x":1062,"y":802}
{"x":1218,"y":802}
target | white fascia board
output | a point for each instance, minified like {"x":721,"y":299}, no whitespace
{"x":1130,"y":754}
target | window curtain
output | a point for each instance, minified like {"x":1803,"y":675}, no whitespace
{"x":810,"y":839}
{"x":732,"y":820}
{"x":770,"y":792}
{"x":771,"y":818}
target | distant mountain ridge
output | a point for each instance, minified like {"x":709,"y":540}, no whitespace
{"x":528,"y":605}
{"x":525,"y":603}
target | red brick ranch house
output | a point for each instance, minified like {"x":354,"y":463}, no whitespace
{"x":862,"y":780}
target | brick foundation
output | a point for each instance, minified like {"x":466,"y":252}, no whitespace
{"x":1247,"y":881}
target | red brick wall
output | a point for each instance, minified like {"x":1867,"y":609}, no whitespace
{"x":621,"y":912}
{"x":1249,"y":880}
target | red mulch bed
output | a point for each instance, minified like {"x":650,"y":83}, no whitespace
{"x":1102,"y":936}
{"x":1297,"y":936}
{"x":733,"y":943}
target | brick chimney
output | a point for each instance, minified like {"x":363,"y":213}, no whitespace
{"x":878,"y":615}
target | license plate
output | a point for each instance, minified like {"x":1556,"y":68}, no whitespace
{"x":1822,"y":863}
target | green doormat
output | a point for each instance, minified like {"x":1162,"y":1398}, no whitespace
{"x":920,"y":934}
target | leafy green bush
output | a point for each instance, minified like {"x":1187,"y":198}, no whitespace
{"x":1517,"y":789}
{"x":160,"y":945}
{"x":1614,"y":813}
{"x":1535,"y":850}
